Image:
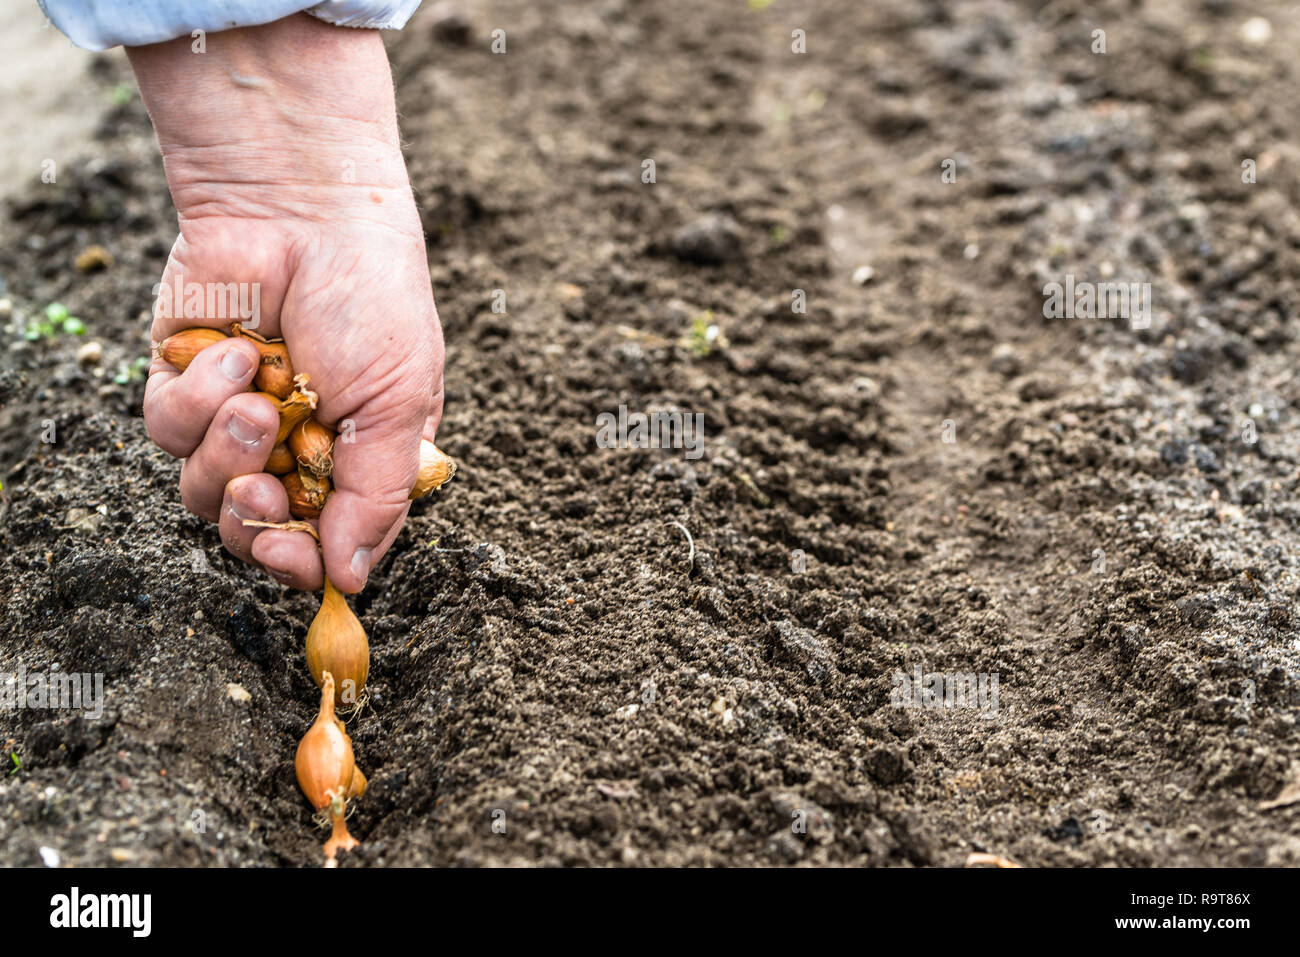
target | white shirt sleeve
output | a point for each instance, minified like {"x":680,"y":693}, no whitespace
{"x":100,"y":24}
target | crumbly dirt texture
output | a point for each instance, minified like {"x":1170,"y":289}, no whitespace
{"x":1112,"y":530}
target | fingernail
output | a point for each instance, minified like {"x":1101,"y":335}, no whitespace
{"x":242,"y":513}
{"x":236,"y":365}
{"x":361,"y":563}
{"x":244,"y":430}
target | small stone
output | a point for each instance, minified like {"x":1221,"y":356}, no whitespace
{"x":1174,"y":452}
{"x":90,"y":353}
{"x":863,"y":275}
{"x":710,"y":240}
{"x":1254,"y":492}
{"x":50,"y":856}
{"x":1006,"y":361}
{"x":122,"y":855}
{"x":199,"y":562}
{"x":719,"y":706}
{"x":1256,"y":31}
{"x":238,"y":693}
{"x":1205,"y":459}
{"x":867,"y":390}
{"x":784,"y":845}
{"x":6,"y":308}
{"x":1037,"y":389}
{"x":627,"y":711}
{"x":94,"y":258}
{"x":84,"y":519}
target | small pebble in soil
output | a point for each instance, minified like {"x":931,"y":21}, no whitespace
{"x":1206,"y":460}
{"x":863,"y":275}
{"x":1005,"y":360}
{"x":94,"y":258}
{"x":1069,"y":829}
{"x":867,"y":390}
{"x":710,"y":240}
{"x":1256,"y":31}
{"x":1253,"y":492}
{"x":90,"y":353}
{"x":1174,"y":453}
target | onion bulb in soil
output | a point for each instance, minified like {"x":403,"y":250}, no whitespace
{"x":325,"y":769}
{"x":436,"y":469}
{"x":306,"y":492}
{"x":312,"y":446}
{"x":337,"y":645}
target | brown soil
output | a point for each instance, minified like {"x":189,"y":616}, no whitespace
{"x":1102,"y":535}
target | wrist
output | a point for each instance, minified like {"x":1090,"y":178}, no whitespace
{"x":291,"y":118}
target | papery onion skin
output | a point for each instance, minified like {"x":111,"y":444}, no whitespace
{"x":358,"y":786}
{"x":280,"y":461}
{"x":180,"y":349}
{"x":337,"y":645}
{"x":324,"y":763}
{"x":306,"y":493}
{"x":274,"y":372}
{"x":312,"y":445}
{"x":437,"y":468}
{"x":299,"y":405}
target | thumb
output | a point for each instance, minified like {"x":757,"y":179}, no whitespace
{"x":376,"y":458}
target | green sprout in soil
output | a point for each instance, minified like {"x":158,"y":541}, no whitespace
{"x":122,"y":94}
{"x":779,"y":235}
{"x":704,"y":336}
{"x":757,"y":5}
{"x":17,"y":764}
{"x":52,"y":323}
{"x":134,"y":371}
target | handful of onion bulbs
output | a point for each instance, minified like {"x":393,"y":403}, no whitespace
{"x":338,"y":654}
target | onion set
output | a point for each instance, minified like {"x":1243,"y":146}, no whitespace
{"x":325,"y":768}
{"x":337,"y":645}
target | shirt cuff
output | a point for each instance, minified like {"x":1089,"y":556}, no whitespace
{"x":100,"y":24}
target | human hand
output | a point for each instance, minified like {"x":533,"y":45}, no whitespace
{"x":281,"y":152}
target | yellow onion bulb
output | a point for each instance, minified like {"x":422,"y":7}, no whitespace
{"x":180,"y":349}
{"x":436,"y":469}
{"x":337,"y":645}
{"x":324,"y":762}
{"x":312,"y":446}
